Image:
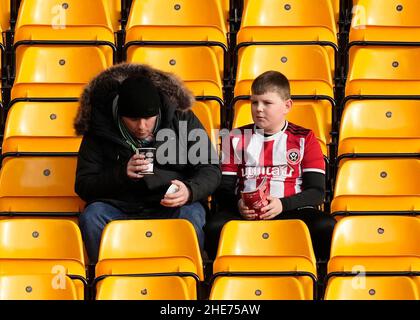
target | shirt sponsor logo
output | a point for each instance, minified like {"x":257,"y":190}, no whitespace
{"x":277,"y":172}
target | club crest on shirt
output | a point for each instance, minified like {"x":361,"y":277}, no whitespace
{"x":293,"y":156}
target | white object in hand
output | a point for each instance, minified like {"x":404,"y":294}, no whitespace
{"x":172,"y":189}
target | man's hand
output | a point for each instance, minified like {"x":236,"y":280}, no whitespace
{"x":245,"y":212}
{"x":135,"y":165}
{"x":272,"y":210}
{"x":177,"y":199}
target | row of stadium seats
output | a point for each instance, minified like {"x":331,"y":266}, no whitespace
{"x":373,"y":71}
{"x":44,"y":185}
{"x":372,"y":258}
{"x":261,"y":22}
{"x":50,"y":77}
{"x":57,"y":73}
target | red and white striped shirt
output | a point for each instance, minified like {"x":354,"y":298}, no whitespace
{"x":282,"y":157}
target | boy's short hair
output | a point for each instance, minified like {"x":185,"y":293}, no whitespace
{"x":272,"y":81}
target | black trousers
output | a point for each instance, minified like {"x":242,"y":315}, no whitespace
{"x":320,"y":225}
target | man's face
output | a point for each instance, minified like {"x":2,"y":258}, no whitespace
{"x":269,"y":111}
{"x":141,"y":128}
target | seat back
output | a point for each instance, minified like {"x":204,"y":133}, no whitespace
{"x":115,"y":13}
{"x":374,"y":288}
{"x":36,"y":287}
{"x":4,"y":15}
{"x":183,"y":21}
{"x":377,"y":185}
{"x":150,"y":243}
{"x":257,"y":288}
{"x":306,"y":67}
{"x":395,"y":129}
{"x":376,"y":236}
{"x":383,"y":71}
{"x":178,"y":60}
{"x":336,"y":9}
{"x":264,"y":239}
{"x":263,"y":247}
{"x":142,"y":288}
{"x":55,"y":71}
{"x":41,"y":127}
{"x":204,"y":114}
{"x":226,"y":9}
{"x":167,"y":246}
{"x":41,"y":246}
{"x":185,"y":13}
{"x":377,"y":13}
{"x":42,"y":185}
{"x":366,"y":244}
{"x":294,"y":13}
{"x":48,"y":19}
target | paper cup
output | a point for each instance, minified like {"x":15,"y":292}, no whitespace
{"x":149,"y":154}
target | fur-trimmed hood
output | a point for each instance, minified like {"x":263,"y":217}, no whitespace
{"x":97,"y":97}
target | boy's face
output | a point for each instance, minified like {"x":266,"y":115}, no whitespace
{"x":141,"y":128}
{"x":269,"y":111}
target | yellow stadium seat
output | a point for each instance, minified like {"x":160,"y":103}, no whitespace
{"x":204,"y":114}
{"x":142,"y":288}
{"x":115,"y":13}
{"x":336,"y":9}
{"x":48,"y":20}
{"x":4,"y":15}
{"x":377,"y":185}
{"x":42,"y":246}
{"x":265,"y":247}
{"x":40,"y":185}
{"x":335,"y":5}
{"x":374,"y":288}
{"x":52,"y":71}
{"x":306,"y":67}
{"x":257,"y":288}
{"x":182,"y":21}
{"x":280,"y":21}
{"x":311,"y":114}
{"x":41,"y":127}
{"x":375,"y":246}
{"x":384,"y":71}
{"x":151,"y":246}
{"x":394,"y":130}
{"x":187,"y":20}
{"x":363,"y":240}
{"x":36,"y":287}
{"x":203,"y":79}
{"x":376,"y":20}
{"x":226,"y":9}
{"x":271,"y":20}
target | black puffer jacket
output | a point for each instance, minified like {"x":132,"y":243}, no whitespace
{"x":103,"y":155}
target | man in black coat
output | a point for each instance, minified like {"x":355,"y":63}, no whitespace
{"x":134,"y":106}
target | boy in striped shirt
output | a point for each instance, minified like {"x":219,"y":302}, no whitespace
{"x":286,"y":155}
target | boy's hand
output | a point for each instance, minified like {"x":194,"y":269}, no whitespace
{"x":135,"y":165}
{"x":245,"y":212}
{"x":272,"y":210}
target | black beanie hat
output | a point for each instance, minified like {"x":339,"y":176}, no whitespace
{"x":138,"y":98}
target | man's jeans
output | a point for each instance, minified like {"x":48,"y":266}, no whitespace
{"x":98,"y":214}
